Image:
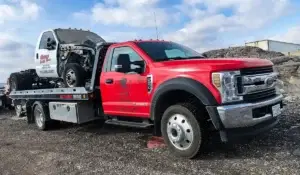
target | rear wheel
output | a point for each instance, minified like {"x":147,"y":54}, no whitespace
{"x":19,"y":111}
{"x":182,"y":131}
{"x":74,"y":75}
{"x":41,"y":117}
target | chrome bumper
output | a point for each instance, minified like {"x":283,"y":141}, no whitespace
{"x":240,"y":115}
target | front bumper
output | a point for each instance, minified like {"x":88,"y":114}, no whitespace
{"x":242,"y":115}
{"x":249,"y":117}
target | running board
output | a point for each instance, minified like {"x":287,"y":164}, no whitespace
{"x":128,"y":123}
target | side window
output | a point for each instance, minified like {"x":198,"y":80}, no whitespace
{"x":133,"y":56}
{"x":45,"y":36}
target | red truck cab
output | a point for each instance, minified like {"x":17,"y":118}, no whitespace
{"x":184,"y":93}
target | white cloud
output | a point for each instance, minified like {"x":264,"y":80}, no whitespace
{"x":15,"y":56}
{"x":291,"y":35}
{"x":120,"y":36}
{"x":18,"y":10}
{"x":209,"y":24}
{"x":134,"y":13}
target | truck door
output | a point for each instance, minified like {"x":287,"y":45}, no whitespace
{"x":46,"y":55}
{"x":124,"y":93}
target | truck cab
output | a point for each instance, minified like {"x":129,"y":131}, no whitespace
{"x":167,"y":82}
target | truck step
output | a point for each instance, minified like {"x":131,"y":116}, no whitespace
{"x":129,"y":123}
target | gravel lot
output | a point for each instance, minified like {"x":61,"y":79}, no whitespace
{"x":119,"y":150}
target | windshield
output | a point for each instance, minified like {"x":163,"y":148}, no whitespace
{"x":70,"y":36}
{"x":164,"y":51}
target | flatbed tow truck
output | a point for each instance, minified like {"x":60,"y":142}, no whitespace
{"x":178,"y":92}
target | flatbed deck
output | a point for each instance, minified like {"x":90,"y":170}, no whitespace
{"x":78,"y":93}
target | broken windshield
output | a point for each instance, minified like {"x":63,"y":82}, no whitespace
{"x":71,"y":36}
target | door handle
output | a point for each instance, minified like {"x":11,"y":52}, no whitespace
{"x":109,"y":81}
{"x":37,"y":56}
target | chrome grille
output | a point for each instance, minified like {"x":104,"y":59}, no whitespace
{"x":257,"y":84}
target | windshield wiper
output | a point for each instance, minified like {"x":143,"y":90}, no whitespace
{"x":179,"y":58}
{"x":169,"y":59}
{"x":191,"y":57}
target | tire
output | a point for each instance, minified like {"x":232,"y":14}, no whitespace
{"x":19,"y":112}
{"x":181,"y":130}
{"x":18,"y":81}
{"x":41,"y":116}
{"x":74,"y":75}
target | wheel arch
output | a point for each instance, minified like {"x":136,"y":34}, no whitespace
{"x":185,"y":90}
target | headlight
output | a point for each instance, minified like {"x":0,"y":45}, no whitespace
{"x":225,"y":82}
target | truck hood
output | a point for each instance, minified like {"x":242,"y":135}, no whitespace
{"x":214,"y":64}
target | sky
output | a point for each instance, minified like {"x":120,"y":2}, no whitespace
{"x":200,"y":24}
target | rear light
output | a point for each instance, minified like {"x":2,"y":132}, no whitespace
{"x":66,"y":97}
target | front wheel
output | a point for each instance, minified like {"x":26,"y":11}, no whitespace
{"x":74,"y":75}
{"x":182,"y":131}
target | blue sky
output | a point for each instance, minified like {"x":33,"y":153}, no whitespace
{"x":200,"y":24}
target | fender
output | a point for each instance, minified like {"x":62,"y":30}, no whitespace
{"x":187,"y":84}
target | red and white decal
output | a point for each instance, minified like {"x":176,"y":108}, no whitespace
{"x":44,"y":58}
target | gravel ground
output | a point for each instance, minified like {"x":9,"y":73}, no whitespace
{"x":118,"y":150}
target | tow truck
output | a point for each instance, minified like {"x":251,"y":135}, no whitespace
{"x":179,"y":93}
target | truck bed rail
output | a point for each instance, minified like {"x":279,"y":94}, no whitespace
{"x":77,"y":93}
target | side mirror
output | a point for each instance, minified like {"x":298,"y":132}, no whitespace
{"x":51,"y":44}
{"x":140,"y":66}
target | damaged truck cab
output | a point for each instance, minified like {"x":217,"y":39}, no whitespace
{"x":67,"y":54}
{"x":184,"y":95}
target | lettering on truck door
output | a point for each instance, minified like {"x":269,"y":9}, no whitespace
{"x":46,"y":57}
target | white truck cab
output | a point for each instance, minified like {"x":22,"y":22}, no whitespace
{"x":62,"y":56}
{"x":46,"y":53}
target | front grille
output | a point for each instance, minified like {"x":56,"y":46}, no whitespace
{"x":257,"y":70}
{"x":259,"y":96}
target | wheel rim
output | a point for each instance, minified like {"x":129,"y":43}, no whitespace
{"x":180,"y":132}
{"x":70,"y":78}
{"x":39,"y":118}
{"x":18,"y":110}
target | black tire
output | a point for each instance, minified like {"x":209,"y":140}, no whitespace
{"x":19,"y":81}
{"x":76,"y":70}
{"x":41,"y":116}
{"x":190,"y":113}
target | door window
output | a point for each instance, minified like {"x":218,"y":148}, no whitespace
{"x":133,"y":56}
{"x":45,"y":36}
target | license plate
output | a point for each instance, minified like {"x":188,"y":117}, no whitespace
{"x":276,"y":110}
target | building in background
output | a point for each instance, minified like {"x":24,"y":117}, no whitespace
{"x":277,"y":46}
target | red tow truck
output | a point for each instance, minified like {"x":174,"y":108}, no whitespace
{"x":171,"y":88}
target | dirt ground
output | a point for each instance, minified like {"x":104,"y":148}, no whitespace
{"x":90,"y":149}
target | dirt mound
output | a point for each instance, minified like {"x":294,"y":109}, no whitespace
{"x":243,"y":52}
{"x":288,"y":67}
